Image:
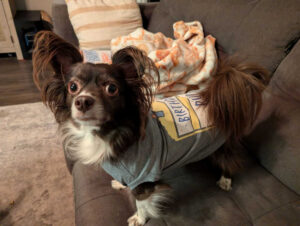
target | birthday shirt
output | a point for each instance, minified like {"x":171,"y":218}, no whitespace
{"x":178,"y":134}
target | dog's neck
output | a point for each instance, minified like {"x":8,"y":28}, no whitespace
{"x":82,"y":142}
{"x":92,"y":144}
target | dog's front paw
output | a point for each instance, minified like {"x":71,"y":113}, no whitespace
{"x":224,"y":183}
{"x":117,"y":185}
{"x":135,"y":220}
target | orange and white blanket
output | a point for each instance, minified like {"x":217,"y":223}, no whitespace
{"x":190,"y":59}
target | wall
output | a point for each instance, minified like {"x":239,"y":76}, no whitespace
{"x":34,"y":5}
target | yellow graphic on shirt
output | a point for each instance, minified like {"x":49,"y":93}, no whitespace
{"x":182,"y":116}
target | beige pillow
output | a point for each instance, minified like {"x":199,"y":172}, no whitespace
{"x":96,"y":22}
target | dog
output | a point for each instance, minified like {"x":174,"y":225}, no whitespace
{"x":107,"y":116}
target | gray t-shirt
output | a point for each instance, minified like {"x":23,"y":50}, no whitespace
{"x":178,"y":134}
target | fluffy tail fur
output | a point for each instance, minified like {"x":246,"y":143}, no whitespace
{"x":234,"y":97}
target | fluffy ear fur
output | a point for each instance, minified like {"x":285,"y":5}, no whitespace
{"x":137,"y":68}
{"x":52,"y":52}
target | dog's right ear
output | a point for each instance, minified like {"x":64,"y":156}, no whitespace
{"x":52,"y":58}
{"x":52,"y":51}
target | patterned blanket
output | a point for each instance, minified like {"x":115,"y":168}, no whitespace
{"x":190,"y":59}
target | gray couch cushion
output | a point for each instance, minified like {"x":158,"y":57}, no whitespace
{"x":286,"y":215}
{"x":277,"y":140}
{"x":259,"y":31}
{"x":96,"y":203}
{"x":256,"y":195}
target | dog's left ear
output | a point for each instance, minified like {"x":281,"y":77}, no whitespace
{"x":140,"y":74}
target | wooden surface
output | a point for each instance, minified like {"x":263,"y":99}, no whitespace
{"x":16,"y":84}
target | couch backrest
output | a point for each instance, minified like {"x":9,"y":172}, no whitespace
{"x":260,"y":31}
{"x":276,"y":141}
{"x":264,"y":32}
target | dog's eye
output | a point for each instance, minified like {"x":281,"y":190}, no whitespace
{"x":111,"y":89}
{"x":73,"y":87}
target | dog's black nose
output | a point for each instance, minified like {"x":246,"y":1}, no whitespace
{"x":84,"y":103}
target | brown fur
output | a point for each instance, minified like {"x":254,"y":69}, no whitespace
{"x":56,"y":61}
{"x":233,"y":98}
{"x":138,"y":67}
{"x":51,"y":50}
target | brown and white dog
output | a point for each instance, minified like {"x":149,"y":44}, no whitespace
{"x":103,"y":111}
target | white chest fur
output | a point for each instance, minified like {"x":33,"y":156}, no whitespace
{"x":82,"y":144}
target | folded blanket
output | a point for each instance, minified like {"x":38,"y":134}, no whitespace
{"x":190,"y":59}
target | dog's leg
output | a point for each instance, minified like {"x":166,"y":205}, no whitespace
{"x":225,"y":183}
{"x":229,"y":161}
{"x":117,"y":185}
{"x":151,"y":198}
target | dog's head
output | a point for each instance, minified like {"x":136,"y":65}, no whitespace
{"x":98,"y":95}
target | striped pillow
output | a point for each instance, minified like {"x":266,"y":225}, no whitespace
{"x":96,"y":22}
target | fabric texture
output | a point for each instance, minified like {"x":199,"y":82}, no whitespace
{"x":190,"y":59}
{"x":279,"y":150}
{"x":97,"y":22}
{"x":257,"y":198}
{"x":176,"y":136}
{"x":35,"y":187}
{"x":96,"y":56}
{"x":96,"y":203}
{"x":61,"y":22}
{"x":260,"y":32}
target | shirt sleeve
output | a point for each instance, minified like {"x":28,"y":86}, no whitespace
{"x":127,"y":176}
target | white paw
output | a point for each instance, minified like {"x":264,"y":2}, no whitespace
{"x":224,"y":183}
{"x":117,"y":185}
{"x":135,"y":220}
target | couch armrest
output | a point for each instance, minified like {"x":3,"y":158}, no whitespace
{"x":276,"y":140}
{"x":96,"y":203}
{"x":63,"y":27}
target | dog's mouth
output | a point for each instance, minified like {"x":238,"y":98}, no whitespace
{"x":88,"y":118}
{"x":84,"y":118}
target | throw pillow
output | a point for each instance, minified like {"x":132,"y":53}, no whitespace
{"x":97,"y":22}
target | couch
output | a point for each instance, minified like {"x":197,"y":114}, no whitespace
{"x":267,"y":192}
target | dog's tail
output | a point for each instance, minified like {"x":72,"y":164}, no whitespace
{"x":234,"y":97}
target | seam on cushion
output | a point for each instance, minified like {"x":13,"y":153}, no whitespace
{"x":276,"y":208}
{"x":165,"y":222}
{"x":284,"y":57}
{"x":243,"y":211}
{"x":287,"y":95}
{"x":278,"y":179}
{"x":97,"y":197}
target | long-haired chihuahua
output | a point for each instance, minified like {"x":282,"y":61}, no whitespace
{"x":107,"y":116}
